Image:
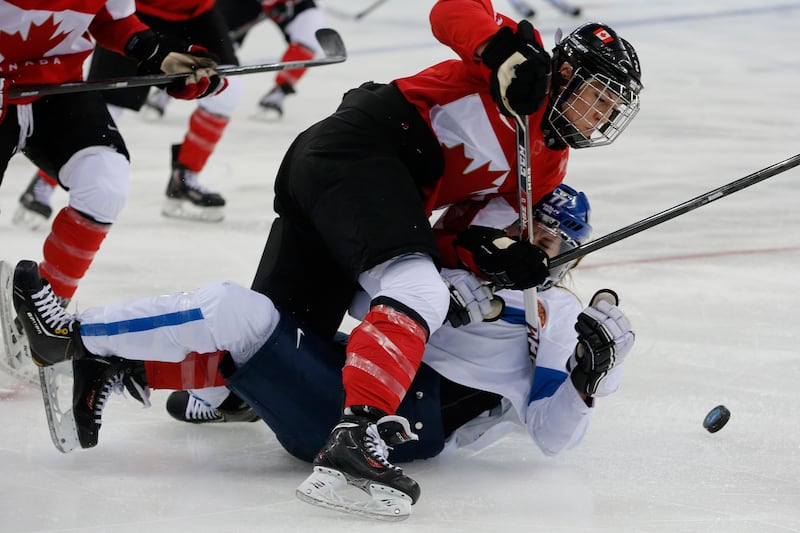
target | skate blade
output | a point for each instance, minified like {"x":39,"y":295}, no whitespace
{"x":16,"y":357}
{"x":329,"y":488}
{"x":186,"y":210}
{"x":63,"y":430}
{"x":25,"y":218}
{"x":267,"y":114}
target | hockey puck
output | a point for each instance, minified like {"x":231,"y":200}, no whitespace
{"x":716,"y":419}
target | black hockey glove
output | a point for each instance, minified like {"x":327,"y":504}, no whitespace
{"x":604,"y":339}
{"x":159,"y":54}
{"x":520,"y":70}
{"x":508,"y":263}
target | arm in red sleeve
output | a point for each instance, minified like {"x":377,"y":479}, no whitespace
{"x":464,"y":25}
{"x":114,"y":33}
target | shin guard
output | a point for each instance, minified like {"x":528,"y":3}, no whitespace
{"x":383,"y":355}
{"x":295,"y":52}
{"x":70,"y":249}
{"x":205,"y":131}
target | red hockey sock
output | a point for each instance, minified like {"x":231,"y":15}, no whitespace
{"x":70,"y":249}
{"x":205,"y":130}
{"x":295,"y":52}
{"x":383,"y":355}
{"x":197,"y":371}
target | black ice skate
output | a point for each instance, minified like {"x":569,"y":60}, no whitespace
{"x":34,"y":209}
{"x":188,"y":199}
{"x":272,"y":102}
{"x":53,"y":334}
{"x":87,"y":383}
{"x":184,"y":406}
{"x":356,"y":454}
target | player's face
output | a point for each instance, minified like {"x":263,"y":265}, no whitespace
{"x":546,"y":239}
{"x":591,"y":106}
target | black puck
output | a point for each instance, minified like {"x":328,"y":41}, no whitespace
{"x":716,"y":419}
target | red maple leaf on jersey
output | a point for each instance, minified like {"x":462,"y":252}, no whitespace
{"x":474,"y":181}
{"x":40,"y":40}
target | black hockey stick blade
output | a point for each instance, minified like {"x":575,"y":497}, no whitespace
{"x":330,"y":41}
{"x":676,"y":211}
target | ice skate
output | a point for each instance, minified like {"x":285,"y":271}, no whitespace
{"x":53,"y":334}
{"x":271,"y":104}
{"x":75,"y":394}
{"x":184,"y":406}
{"x":34,"y":209}
{"x":356,"y":455}
{"x":156,"y":104}
{"x":188,"y":199}
{"x":16,"y":358}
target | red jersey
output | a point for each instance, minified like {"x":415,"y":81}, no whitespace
{"x":479,"y":143}
{"x":174,"y":9}
{"x":47,"y":41}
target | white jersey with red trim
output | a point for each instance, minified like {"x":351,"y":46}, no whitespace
{"x":479,"y":143}
{"x":47,"y":41}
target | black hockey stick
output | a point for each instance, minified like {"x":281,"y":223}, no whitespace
{"x":236,"y":33}
{"x":564,"y":7}
{"x":356,"y":16}
{"x":524,"y":191}
{"x":676,"y":211}
{"x":330,"y":42}
{"x":523,"y":8}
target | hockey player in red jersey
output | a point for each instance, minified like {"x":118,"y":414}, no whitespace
{"x":354,"y":193}
{"x":72,"y":136}
{"x":298,"y":21}
{"x":195,"y":21}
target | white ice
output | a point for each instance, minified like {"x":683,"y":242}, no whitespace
{"x":713,"y":296}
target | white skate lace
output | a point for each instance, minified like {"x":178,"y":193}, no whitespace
{"x":102,"y":398}
{"x":117,"y":383}
{"x":48,"y":306}
{"x":197,"y":409}
{"x":377,"y":448}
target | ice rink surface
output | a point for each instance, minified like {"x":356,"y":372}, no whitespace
{"x":713,"y":296}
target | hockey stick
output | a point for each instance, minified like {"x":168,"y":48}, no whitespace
{"x":524,"y":190}
{"x":330,"y":42}
{"x":564,"y":7}
{"x":356,"y":16}
{"x":522,"y":8}
{"x":236,"y":33}
{"x":676,"y":211}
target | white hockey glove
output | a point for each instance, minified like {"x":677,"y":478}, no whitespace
{"x":604,"y":339}
{"x":470,"y":299}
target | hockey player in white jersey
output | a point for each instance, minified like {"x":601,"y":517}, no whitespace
{"x":476,"y":382}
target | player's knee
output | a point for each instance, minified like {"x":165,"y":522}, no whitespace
{"x":414,"y":281}
{"x":97,"y":180}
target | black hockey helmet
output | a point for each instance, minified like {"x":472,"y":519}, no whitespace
{"x":597,"y":95}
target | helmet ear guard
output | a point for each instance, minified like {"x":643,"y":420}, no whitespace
{"x":596,"y":98}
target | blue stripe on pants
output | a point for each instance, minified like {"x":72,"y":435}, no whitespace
{"x":141,"y":324}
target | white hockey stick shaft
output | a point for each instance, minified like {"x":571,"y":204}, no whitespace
{"x":676,"y":211}
{"x":524,"y":189}
{"x":330,"y":42}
